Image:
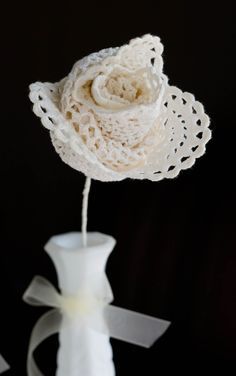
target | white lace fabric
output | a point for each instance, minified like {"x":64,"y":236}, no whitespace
{"x":115,"y":116}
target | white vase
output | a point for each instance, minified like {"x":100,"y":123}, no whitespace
{"x":83,"y":351}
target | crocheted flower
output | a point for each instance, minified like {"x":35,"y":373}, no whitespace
{"x":116,"y":117}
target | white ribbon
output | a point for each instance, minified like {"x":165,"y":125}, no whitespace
{"x":3,"y":365}
{"x":118,"y":323}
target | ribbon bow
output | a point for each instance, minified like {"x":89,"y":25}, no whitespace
{"x":3,"y":365}
{"x":118,"y":323}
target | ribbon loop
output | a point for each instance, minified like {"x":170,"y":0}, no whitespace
{"x":42,"y":293}
{"x":46,"y":326}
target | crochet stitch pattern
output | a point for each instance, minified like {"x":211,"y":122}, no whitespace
{"x":115,"y":116}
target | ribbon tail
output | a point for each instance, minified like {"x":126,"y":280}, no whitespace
{"x":46,"y":326}
{"x":3,"y":365}
{"x":133,"y":327}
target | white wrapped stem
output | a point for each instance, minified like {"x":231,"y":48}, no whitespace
{"x":85,"y":210}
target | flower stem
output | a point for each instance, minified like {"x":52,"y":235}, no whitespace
{"x":85,"y":210}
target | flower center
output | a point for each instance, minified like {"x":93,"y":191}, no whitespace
{"x":122,"y":88}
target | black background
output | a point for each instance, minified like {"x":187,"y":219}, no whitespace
{"x":175,"y":256}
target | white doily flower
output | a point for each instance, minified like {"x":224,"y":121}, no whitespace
{"x":116,"y":117}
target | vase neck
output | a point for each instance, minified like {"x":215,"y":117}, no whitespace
{"x":80,"y":268}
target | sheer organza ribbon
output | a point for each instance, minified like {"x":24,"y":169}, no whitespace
{"x":3,"y":365}
{"x":95,"y":313}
